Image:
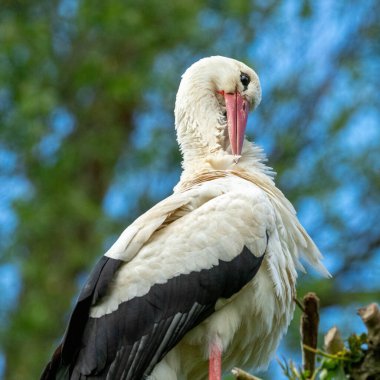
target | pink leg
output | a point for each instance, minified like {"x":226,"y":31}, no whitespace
{"x":215,"y":362}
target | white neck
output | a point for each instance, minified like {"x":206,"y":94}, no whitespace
{"x":199,"y":122}
{"x":203,"y":138}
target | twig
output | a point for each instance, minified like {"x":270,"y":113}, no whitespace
{"x":309,"y":330}
{"x":242,"y":375}
{"x":325,"y":354}
{"x":299,"y":304}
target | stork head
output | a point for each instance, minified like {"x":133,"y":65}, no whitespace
{"x":212,"y":105}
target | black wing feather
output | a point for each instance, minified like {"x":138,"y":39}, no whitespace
{"x":127,"y":343}
{"x":96,"y":286}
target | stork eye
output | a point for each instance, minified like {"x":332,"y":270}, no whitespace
{"x":245,"y":79}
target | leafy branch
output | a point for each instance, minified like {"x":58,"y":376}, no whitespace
{"x":357,"y":358}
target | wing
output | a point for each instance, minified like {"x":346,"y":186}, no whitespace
{"x":129,"y":315}
{"x":94,"y":289}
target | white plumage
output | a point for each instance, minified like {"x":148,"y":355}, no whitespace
{"x":225,"y":214}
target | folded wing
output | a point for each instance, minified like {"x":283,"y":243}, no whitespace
{"x":125,"y":322}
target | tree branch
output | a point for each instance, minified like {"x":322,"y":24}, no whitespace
{"x":309,"y":330}
{"x":242,"y":375}
{"x":369,"y":366}
{"x":370,"y":315}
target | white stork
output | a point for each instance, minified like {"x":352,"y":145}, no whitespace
{"x":209,"y":272}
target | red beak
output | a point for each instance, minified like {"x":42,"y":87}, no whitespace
{"x":237,"y":115}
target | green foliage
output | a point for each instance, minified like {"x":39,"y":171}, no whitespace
{"x":331,"y":366}
{"x":291,"y":371}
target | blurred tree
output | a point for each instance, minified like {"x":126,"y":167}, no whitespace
{"x":86,"y":98}
{"x":71,"y":74}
